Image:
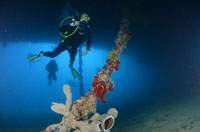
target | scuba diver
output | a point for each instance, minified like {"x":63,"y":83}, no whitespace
{"x":52,"y":68}
{"x":73,"y":34}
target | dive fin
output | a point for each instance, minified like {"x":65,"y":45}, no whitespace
{"x":33,"y":57}
{"x":74,"y":72}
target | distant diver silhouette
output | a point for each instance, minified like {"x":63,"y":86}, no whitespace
{"x":52,"y":68}
{"x":73,"y":34}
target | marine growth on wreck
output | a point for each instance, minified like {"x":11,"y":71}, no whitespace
{"x":76,"y":114}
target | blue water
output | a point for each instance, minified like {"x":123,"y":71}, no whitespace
{"x":25,"y":96}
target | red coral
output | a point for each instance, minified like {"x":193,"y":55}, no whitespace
{"x":129,"y":34}
{"x":110,"y":72}
{"x":95,"y":81}
{"x":114,"y":65}
{"x":76,"y":102}
{"x":103,"y":99}
{"x":99,"y":88}
{"x":111,"y":86}
{"x":117,"y":65}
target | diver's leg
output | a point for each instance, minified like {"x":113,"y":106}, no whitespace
{"x":72,"y":54}
{"x":61,"y":47}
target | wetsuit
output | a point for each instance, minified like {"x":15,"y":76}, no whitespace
{"x":71,"y":43}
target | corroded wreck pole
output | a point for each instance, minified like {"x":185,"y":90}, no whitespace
{"x":75,"y":116}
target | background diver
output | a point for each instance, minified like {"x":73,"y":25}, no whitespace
{"x":52,"y":68}
{"x":79,"y":27}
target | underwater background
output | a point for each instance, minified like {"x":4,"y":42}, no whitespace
{"x":156,"y":86}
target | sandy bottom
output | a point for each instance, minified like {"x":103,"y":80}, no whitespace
{"x":165,"y":117}
{"x":182,"y":116}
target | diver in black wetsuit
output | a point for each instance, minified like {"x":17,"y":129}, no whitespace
{"x":52,"y":68}
{"x":71,"y":43}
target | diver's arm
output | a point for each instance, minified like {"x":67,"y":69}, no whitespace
{"x":69,"y":26}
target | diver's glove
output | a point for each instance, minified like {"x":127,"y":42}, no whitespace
{"x":85,"y":52}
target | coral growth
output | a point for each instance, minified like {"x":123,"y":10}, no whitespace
{"x":102,"y":82}
{"x":69,"y":121}
{"x":75,"y":116}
